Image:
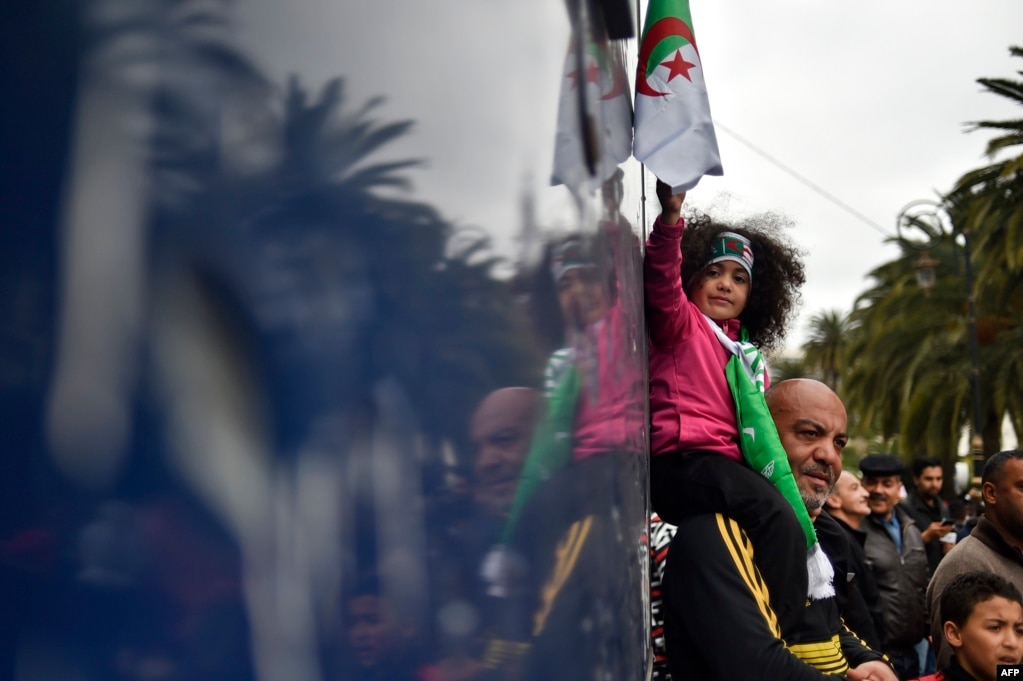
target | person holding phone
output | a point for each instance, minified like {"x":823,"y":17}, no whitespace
{"x":929,"y":511}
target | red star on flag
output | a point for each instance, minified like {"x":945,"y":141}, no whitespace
{"x":678,"y":67}
{"x":592,"y":72}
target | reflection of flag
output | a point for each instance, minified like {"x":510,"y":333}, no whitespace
{"x":674,"y":132}
{"x":606,"y":117}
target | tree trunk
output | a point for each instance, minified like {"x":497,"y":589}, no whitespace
{"x":991,"y":434}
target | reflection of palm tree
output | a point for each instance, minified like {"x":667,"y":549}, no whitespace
{"x":353,"y":303}
{"x":443,"y":323}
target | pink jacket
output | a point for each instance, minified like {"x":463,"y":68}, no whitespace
{"x":691,"y":406}
{"x":609,"y":413}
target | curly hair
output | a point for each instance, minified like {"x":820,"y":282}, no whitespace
{"x":777,"y":276}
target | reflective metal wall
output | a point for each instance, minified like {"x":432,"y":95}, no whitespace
{"x":322,"y":342}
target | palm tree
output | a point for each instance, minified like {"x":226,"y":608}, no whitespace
{"x":783,"y":367}
{"x":909,"y":370}
{"x":987,"y":203}
{"x":907,"y":358}
{"x":824,"y":353}
{"x":989,"y":200}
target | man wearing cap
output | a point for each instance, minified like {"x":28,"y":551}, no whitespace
{"x":996,"y":543}
{"x":896,"y":554}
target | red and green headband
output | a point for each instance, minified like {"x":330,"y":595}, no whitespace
{"x":732,"y":246}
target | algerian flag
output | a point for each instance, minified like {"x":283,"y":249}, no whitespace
{"x":674,"y":132}
{"x":594,"y":103}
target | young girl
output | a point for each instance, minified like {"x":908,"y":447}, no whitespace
{"x":706,"y":295}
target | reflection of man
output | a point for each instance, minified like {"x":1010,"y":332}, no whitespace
{"x":720,"y":622}
{"x":500,"y":431}
{"x":896,"y":554}
{"x":996,"y":543}
{"x":924,"y":504}
{"x":847,"y":506}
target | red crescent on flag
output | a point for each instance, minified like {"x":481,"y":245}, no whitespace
{"x":618,"y":85}
{"x":661,"y":29}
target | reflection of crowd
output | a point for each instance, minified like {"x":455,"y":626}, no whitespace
{"x":558,"y":478}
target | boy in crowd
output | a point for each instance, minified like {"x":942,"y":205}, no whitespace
{"x":983,"y":622}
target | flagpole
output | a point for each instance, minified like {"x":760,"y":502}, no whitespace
{"x":642,"y":166}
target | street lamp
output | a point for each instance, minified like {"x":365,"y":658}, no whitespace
{"x":926,"y":219}
{"x":926,"y":275}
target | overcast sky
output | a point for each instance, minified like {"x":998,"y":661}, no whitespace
{"x":867,"y":100}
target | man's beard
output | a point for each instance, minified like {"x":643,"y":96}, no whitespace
{"x":814,"y":499}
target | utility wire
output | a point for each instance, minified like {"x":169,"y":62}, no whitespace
{"x":816,"y":188}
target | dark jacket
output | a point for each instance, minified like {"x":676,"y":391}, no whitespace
{"x":953,"y":671}
{"x":859,"y":603}
{"x":719,"y":621}
{"x":901,"y":579}
{"x":923,"y":515}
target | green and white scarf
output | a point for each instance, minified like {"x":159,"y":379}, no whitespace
{"x":746,"y":373}
{"x":551,"y":446}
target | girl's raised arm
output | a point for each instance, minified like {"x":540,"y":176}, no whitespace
{"x":662,"y":270}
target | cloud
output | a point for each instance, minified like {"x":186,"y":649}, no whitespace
{"x":867,"y":100}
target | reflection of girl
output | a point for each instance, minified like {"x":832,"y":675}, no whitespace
{"x":601,"y":333}
{"x":593,"y":384}
{"x":711,"y":298}
{"x":572,"y":532}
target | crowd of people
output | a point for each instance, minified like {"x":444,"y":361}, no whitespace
{"x":767,"y":560}
{"x":898,"y":590}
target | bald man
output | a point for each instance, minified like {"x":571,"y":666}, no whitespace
{"x":500,"y":432}
{"x":719,"y":608}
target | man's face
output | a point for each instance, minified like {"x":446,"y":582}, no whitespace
{"x":884,"y":493}
{"x":500,"y":431}
{"x":1005,"y":499}
{"x":811,"y":422}
{"x":992,"y":635}
{"x":851,"y":496}
{"x":928,"y":483}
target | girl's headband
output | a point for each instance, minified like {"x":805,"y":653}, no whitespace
{"x":732,"y":246}
{"x":569,"y":256}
